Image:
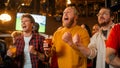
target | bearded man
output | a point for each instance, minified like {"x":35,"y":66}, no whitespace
{"x":97,"y":46}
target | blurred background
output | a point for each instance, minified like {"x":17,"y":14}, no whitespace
{"x":52,"y":11}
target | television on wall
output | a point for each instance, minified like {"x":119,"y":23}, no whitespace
{"x":40,"y":19}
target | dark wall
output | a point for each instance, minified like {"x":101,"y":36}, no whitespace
{"x":51,"y":25}
{"x":90,"y":21}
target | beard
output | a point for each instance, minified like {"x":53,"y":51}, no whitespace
{"x":105,"y":23}
{"x":68,"y":25}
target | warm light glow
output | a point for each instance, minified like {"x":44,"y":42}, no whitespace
{"x":5,"y":17}
{"x":68,"y":2}
{"x":26,"y":2}
{"x":22,"y":4}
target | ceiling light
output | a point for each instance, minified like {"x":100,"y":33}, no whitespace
{"x":5,"y":17}
{"x":68,"y":2}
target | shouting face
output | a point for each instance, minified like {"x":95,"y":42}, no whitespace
{"x":68,"y":17}
{"x":26,"y":24}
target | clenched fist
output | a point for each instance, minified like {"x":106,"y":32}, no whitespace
{"x":76,"y":39}
{"x":67,"y":37}
{"x":32,"y":50}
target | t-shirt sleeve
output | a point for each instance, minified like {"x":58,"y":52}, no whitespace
{"x":85,"y":39}
{"x":112,"y":40}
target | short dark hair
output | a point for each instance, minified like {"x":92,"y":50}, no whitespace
{"x":28,"y":16}
{"x":111,"y":12}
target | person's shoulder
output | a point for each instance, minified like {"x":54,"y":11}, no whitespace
{"x":38,"y":35}
{"x":60,"y":29}
{"x":79,"y":27}
{"x":96,"y":34}
{"x":18,"y":38}
{"x":116,"y":26}
{"x":41,"y":36}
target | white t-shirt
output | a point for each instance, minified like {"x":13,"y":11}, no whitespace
{"x":27,"y":63}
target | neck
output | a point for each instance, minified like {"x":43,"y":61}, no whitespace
{"x":107,"y":26}
{"x":74,"y":24}
{"x":27,"y":34}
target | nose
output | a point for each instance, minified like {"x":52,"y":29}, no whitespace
{"x":22,"y":22}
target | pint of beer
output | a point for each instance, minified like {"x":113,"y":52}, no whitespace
{"x":13,"y":50}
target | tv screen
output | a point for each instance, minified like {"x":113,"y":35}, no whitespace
{"x":40,"y":19}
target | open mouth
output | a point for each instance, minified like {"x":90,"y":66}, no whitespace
{"x":65,"y":18}
{"x":23,"y":27}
